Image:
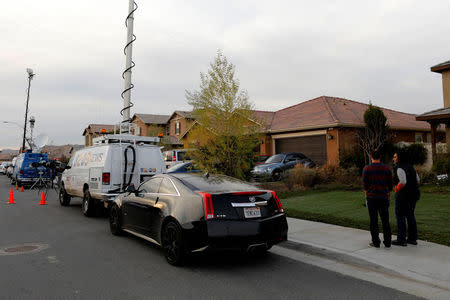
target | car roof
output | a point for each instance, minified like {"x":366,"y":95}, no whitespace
{"x":213,"y":183}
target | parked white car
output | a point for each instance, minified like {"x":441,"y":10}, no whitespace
{"x":4,"y":166}
{"x":175,"y":156}
{"x":98,"y":173}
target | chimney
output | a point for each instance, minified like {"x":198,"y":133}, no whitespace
{"x":444,"y":69}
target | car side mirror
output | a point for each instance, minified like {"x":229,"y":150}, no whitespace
{"x":67,"y":167}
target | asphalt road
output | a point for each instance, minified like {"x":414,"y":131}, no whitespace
{"x":80,"y":259}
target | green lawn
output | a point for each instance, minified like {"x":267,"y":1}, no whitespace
{"x":346,"y":208}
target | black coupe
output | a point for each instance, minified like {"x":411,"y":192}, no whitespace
{"x":186,"y":213}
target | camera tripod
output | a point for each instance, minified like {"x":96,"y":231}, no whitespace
{"x":41,"y":184}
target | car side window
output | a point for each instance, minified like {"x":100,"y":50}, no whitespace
{"x":151,"y":186}
{"x":289,"y":158}
{"x":167,"y":187}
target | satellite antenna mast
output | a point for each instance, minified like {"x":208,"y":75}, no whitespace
{"x":129,"y":64}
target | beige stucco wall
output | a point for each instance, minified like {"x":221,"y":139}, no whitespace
{"x":446,"y":87}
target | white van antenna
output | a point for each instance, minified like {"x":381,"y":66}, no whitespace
{"x":129,"y":64}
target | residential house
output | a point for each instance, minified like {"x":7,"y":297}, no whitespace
{"x":95,"y":130}
{"x":442,"y":115}
{"x":148,"y":124}
{"x":324,"y":127}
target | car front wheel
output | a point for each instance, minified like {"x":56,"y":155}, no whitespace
{"x":173,"y":244}
{"x":64,"y":198}
{"x":276,"y":175}
{"x":115,"y":223}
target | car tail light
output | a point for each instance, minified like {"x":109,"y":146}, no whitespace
{"x":174,"y":158}
{"x":208,"y":205}
{"x":21,"y":172}
{"x":106,"y":177}
{"x":248,"y":193}
{"x":277,"y":201}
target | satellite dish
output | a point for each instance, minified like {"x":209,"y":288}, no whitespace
{"x":41,"y":140}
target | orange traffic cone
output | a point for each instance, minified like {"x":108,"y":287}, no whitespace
{"x":43,"y":199}
{"x":17,"y":187}
{"x":21,"y":189}
{"x":11,"y":197}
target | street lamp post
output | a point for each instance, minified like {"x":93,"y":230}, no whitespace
{"x":30,"y":76}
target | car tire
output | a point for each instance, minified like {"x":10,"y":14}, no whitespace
{"x":115,"y":221}
{"x":88,"y":204}
{"x":64,"y":198}
{"x":173,"y":244}
{"x":276,"y":175}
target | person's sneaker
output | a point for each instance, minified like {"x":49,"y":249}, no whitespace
{"x":374,"y":245}
{"x":399,"y":243}
{"x":387,"y":245}
{"x":411,"y":242}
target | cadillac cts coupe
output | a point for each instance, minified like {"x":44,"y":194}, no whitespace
{"x":186,"y":213}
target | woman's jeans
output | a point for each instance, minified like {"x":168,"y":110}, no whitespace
{"x":404,"y":212}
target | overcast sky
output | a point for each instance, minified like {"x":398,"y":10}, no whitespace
{"x":285,"y":52}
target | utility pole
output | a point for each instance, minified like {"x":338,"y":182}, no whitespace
{"x":30,"y":76}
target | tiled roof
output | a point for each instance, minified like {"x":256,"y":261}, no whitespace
{"x":435,"y":114}
{"x":153,"y":119}
{"x":441,"y":67}
{"x":264,"y":118}
{"x":185,"y":114}
{"x":331,"y":111}
{"x":97,"y":128}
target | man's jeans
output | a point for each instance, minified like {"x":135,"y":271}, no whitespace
{"x":404,"y":211}
{"x":379,"y":206}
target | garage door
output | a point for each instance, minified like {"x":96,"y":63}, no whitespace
{"x":314,"y":147}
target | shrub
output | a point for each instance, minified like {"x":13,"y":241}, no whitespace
{"x":352,"y":158}
{"x":299,"y":176}
{"x":442,"y":164}
{"x":415,"y":154}
{"x":327,"y":174}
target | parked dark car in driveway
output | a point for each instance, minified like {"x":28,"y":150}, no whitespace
{"x":275,"y":165}
{"x":186,"y":213}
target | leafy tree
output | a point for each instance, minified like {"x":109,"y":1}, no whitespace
{"x":376,"y":134}
{"x":224,"y":137}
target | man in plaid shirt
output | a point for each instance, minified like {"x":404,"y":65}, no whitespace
{"x":377,"y":180}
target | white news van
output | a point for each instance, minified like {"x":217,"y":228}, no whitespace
{"x":98,"y":173}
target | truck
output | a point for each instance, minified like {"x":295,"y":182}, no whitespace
{"x":29,"y":167}
{"x":98,"y":173}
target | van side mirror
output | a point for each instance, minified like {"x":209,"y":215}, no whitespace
{"x":131,"y":188}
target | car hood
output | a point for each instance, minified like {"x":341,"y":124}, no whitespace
{"x":266,"y":166}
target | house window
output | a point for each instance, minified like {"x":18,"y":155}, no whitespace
{"x":177,"y":128}
{"x":419,"y":138}
{"x":429,"y":138}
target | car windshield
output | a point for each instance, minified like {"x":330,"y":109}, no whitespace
{"x":177,"y":167}
{"x":275,"y":159}
{"x":215,"y":183}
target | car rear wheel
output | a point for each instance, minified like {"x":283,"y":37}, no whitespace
{"x":173,"y":244}
{"x":64,"y":198}
{"x":115,"y":223}
{"x":88,"y":204}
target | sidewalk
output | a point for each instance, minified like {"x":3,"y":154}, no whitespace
{"x":427,"y":263}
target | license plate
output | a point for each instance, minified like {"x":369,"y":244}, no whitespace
{"x":252,"y":212}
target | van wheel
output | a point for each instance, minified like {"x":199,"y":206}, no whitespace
{"x":64,"y":198}
{"x":88,"y":204}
